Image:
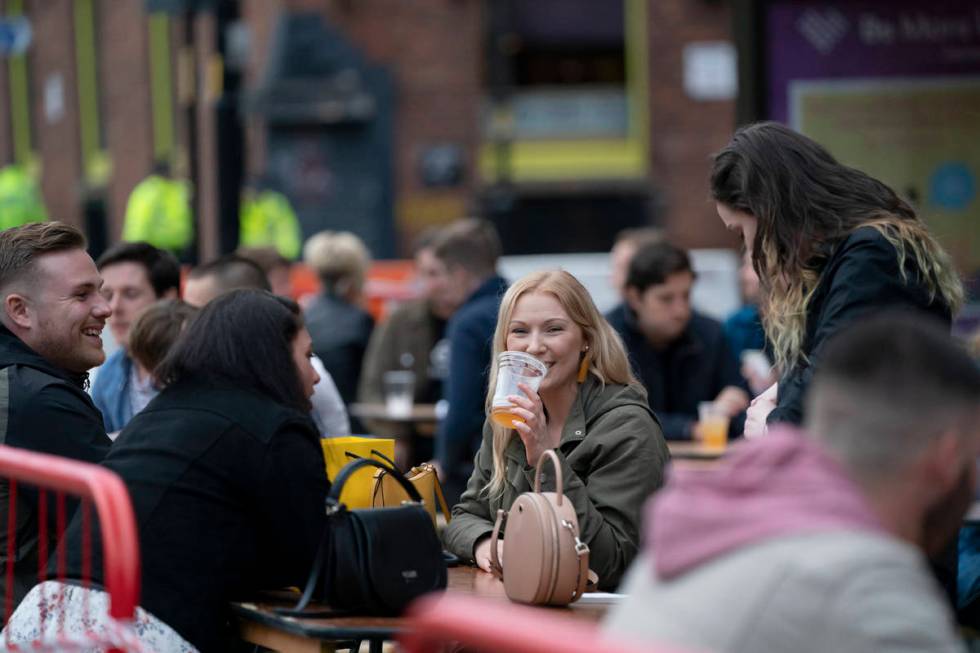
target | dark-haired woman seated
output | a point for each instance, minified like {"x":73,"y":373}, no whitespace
{"x":225,"y":471}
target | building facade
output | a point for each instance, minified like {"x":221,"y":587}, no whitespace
{"x":562,"y":120}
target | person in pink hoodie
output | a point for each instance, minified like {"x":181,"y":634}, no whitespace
{"x":817,"y":540}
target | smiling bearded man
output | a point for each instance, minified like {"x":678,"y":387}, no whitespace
{"x":50,"y":336}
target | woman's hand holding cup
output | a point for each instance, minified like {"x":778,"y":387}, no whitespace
{"x":533,"y":431}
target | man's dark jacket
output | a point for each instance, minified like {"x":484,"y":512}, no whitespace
{"x":470,"y":334}
{"x":692,"y":369}
{"x":42,"y":408}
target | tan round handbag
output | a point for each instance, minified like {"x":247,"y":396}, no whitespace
{"x":547,"y":563}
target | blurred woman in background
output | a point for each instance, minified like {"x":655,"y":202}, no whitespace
{"x":340,"y":328}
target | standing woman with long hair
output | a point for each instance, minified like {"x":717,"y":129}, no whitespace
{"x":589,"y":409}
{"x":829,"y":243}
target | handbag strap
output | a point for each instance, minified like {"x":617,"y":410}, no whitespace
{"x":375,"y":452}
{"x":582,"y":551}
{"x":333,"y":499}
{"x":321,"y":554}
{"x":386,"y":459}
{"x":495,"y":567}
{"x":553,"y":457}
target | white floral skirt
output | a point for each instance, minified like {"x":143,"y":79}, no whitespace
{"x":57,"y":616}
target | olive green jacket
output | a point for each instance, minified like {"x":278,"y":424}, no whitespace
{"x":613,"y":455}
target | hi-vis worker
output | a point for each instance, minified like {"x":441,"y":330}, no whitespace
{"x":159,"y":212}
{"x":20,"y":200}
{"x":268,"y":220}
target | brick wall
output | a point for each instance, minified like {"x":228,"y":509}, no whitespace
{"x":685,"y":132}
{"x":52,"y":74}
{"x":125,"y":102}
{"x":434,"y":50}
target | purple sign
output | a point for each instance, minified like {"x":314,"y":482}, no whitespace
{"x":844,"y":39}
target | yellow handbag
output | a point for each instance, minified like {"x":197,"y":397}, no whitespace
{"x":337,"y":452}
{"x":387,"y":492}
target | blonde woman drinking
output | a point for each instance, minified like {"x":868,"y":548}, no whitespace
{"x":589,"y":409}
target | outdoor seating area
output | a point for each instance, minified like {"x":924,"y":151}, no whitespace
{"x":501,"y":326}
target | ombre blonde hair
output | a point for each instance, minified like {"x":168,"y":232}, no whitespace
{"x":607,"y":359}
{"x":806,"y":204}
{"x":787,"y":303}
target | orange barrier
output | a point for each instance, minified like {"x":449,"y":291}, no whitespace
{"x":387,"y":281}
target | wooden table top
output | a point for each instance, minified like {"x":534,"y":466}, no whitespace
{"x":687,"y":450}
{"x":462,"y":580}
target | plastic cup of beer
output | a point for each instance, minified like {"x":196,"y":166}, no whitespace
{"x":514,"y":367}
{"x":399,"y":393}
{"x":712,"y":425}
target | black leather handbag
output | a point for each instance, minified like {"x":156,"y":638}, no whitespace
{"x":376,"y":560}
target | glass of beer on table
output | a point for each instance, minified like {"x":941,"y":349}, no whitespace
{"x":713,"y":425}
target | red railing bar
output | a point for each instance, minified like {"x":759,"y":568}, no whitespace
{"x":108,"y":493}
{"x":495,"y":625}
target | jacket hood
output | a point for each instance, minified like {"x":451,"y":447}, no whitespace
{"x":14,"y":351}
{"x":779,"y":485}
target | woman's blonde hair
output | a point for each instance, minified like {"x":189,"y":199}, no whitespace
{"x":607,"y":360}
{"x":806,"y":203}
{"x":787,"y":303}
{"x":341,"y":261}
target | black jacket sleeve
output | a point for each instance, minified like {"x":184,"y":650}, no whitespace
{"x":863,"y":277}
{"x":55,"y":420}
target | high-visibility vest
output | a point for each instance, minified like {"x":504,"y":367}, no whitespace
{"x":159,"y":212}
{"x":20,"y":201}
{"x":267,"y":219}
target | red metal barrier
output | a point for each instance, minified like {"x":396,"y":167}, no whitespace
{"x":106,"y":491}
{"x":493,"y":625}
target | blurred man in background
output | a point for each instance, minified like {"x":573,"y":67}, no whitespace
{"x":268,"y":220}
{"x":277,"y":268}
{"x":412,"y":338}
{"x":681,"y":356}
{"x":469,"y":250}
{"x":745,"y":334}
{"x":627,"y":242}
{"x":159,"y":212}
{"x":20,"y":197}
{"x":135,"y":276}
